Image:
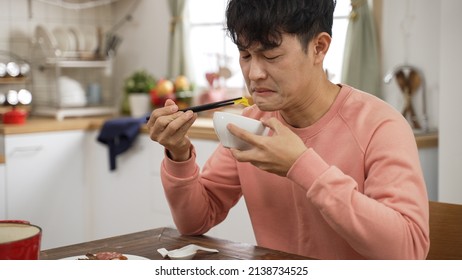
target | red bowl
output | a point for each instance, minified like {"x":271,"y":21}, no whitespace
{"x":15,"y":116}
{"x":19,"y":240}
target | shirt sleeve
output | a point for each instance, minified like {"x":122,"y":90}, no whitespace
{"x":212,"y":194}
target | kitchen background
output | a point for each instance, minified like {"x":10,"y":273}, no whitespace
{"x":422,"y":33}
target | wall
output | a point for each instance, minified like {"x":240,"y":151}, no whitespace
{"x":145,"y":39}
{"x":435,"y":49}
{"x":406,"y":26}
{"x":450,"y":156}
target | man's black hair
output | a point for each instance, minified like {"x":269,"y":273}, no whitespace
{"x":264,"y":21}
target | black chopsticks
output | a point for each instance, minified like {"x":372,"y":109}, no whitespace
{"x":213,"y":105}
{"x":209,"y":106}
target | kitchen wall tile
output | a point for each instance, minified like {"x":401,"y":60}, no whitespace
{"x":4,"y":45}
{"x":4,"y":8}
{"x":19,"y":29}
{"x":38,"y":11}
{"x":19,"y":10}
{"x":20,"y":39}
{"x":73,"y":16}
{"x":4,"y":30}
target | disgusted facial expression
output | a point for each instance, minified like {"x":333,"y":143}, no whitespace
{"x":280,"y":78}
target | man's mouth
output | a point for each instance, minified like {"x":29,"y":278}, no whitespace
{"x":262,"y":91}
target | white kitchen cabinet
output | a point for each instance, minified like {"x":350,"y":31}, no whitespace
{"x":130,"y":198}
{"x":45,"y":186}
{"x":429,"y":162}
{"x":2,"y":193}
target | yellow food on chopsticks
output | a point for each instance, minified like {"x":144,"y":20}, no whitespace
{"x":243,"y":101}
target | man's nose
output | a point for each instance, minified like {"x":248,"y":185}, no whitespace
{"x":256,"y":70}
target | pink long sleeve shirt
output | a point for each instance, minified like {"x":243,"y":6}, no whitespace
{"x":356,"y":193}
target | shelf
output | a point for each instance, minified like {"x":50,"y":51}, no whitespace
{"x":78,"y":5}
{"x":64,"y":63}
{"x":82,"y":70}
{"x":61,"y":113}
{"x":11,"y":80}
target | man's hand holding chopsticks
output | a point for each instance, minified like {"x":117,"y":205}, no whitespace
{"x":168,"y":126}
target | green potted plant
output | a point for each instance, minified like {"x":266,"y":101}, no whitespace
{"x":137,"y":88}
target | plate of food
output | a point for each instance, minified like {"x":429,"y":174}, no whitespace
{"x":101,"y":256}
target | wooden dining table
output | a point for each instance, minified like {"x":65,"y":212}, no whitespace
{"x":146,"y":243}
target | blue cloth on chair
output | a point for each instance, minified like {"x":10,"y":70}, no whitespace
{"x":119,"y":135}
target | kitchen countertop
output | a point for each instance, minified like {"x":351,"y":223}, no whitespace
{"x":201,"y":129}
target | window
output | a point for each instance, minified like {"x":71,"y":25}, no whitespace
{"x":210,"y":48}
{"x":334,"y":58}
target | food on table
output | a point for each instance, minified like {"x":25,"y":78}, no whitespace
{"x":104,"y":256}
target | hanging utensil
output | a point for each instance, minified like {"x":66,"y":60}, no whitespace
{"x":408,"y":85}
{"x":414,"y":84}
{"x":401,"y":79}
{"x":415,"y":80}
{"x":407,"y":74}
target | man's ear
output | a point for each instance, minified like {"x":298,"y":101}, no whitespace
{"x":321,"y":46}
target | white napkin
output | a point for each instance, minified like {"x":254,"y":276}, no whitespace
{"x":186,"y":252}
{"x":163,"y":252}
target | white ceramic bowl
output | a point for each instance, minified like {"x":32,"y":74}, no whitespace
{"x":222,"y":119}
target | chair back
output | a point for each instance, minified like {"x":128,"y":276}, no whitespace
{"x":445,"y":231}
